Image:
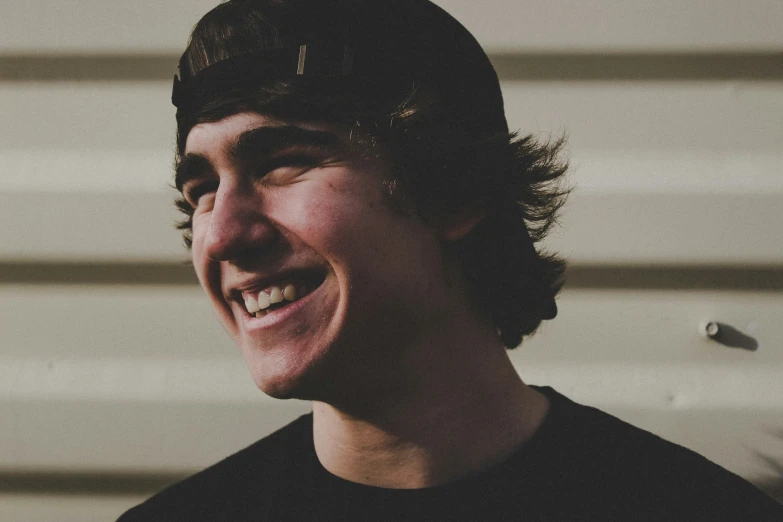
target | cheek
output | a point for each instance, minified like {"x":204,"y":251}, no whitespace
{"x":197,"y":248}
{"x":198,"y":255}
{"x":332,"y":216}
{"x":360,"y":233}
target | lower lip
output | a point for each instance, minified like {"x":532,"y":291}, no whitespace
{"x":275,"y":317}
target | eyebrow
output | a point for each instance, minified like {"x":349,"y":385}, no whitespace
{"x":254,"y":144}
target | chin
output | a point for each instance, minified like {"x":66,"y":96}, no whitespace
{"x":280,"y":391}
{"x":285,"y":378}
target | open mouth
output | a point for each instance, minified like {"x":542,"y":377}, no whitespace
{"x":280,"y":294}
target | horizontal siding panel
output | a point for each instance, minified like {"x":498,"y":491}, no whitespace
{"x":95,"y":26}
{"x":596,"y":227}
{"x":113,"y":321}
{"x":714,"y":383}
{"x":611,"y":25}
{"x":627,"y":326}
{"x":722,"y":118}
{"x":711,"y":229}
{"x":64,"y":507}
{"x":102,"y":116}
{"x":611,"y":171}
{"x":90,"y":227}
{"x":132,"y":437}
{"x":120,"y":323}
{"x":92,"y":26}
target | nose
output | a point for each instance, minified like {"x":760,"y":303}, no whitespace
{"x":237,"y":223}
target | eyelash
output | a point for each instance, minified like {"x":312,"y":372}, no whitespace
{"x":199,"y":190}
{"x":193,"y":194}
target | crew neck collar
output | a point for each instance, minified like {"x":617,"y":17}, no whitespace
{"x":529,"y":450}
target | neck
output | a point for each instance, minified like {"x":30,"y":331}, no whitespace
{"x":463,"y":413}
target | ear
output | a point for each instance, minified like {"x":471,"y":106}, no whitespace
{"x":455,"y":226}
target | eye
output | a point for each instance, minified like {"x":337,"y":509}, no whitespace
{"x":193,"y":193}
{"x":292,"y":161}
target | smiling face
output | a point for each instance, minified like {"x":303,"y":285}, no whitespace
{"x":292,"y":209}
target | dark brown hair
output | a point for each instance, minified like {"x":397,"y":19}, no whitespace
{"x":442,"y":163}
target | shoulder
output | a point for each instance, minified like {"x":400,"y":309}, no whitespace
{"x":609,"y":460}
{"x":224,"y":490}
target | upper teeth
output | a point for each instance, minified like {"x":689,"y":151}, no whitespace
{"x":274,"y":294}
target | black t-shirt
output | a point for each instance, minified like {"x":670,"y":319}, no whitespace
{"x":581,"y":464}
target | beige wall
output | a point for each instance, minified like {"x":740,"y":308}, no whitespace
{"x":114,"y":375}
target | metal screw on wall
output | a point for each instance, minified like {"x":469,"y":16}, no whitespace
{"x":710,"y":329}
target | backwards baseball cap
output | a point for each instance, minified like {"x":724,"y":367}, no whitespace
{"x":394,"y":44}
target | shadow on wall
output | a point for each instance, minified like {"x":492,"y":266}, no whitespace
{"x":730,"y":336}
{"x":772,"y":485}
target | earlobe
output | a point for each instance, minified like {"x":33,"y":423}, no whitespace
{"x":454,"y":227}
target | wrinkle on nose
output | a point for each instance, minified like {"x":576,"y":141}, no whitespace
{"x":237,"y":224}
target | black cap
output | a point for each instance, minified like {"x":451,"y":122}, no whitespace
{"x":385,"y":42}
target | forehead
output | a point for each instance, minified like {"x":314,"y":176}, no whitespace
{"x":205,"y":136}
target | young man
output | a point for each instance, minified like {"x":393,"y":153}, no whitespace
{"x":363,"y":224}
